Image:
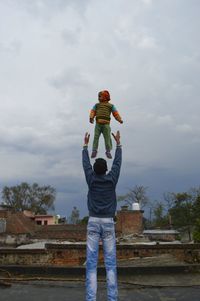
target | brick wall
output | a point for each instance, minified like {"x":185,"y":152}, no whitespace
{"x":74,"y":255}
{"x":3,"y":214}
{"x":63,"y":232}
{"x":129,"y":222}
{"x":25,"y":257}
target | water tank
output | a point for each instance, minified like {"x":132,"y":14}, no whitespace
{"x":135,"y":207}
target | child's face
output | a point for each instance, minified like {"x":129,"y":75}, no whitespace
{"x":100,"y":96}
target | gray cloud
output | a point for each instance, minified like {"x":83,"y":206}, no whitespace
{"x":43,"y":8}
{"x":71,"y":37}
{"x":12,"y":47}
{"x":57,"y":55}
{"x":70,"y":79}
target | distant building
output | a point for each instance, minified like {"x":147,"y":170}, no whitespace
{"x":45,"y":219}
{"x":42,"y":219}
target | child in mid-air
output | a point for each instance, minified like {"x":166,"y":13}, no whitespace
{"x":102,"y":112}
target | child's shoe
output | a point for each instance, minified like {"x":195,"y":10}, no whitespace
{"x":108,"y":155}
{"x":94,"y":153}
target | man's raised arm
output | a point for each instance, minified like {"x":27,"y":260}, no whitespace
{"x":85,"y":159}
{"x":116,"y":166}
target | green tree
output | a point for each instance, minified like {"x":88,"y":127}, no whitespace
{"x":182,"y":212}
{"x":196,"y":215}
{"x":195,"y":193}
{"x":196,"y":233}
{"x":38,"y":199}
{"x":160,"y":219}
{"x":84,"y":220}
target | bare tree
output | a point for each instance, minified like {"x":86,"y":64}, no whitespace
{"x":136,"y":195}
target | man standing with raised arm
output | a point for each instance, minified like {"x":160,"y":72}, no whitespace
{"x":102,"y":206}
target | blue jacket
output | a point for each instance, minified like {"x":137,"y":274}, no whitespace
{"x":101,"y":194}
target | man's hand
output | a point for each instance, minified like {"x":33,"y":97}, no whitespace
{"x":117,"y":137}
{"x":86,"y":138}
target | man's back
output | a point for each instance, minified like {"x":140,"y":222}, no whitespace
{"x":102,"y":206}
{"x":101,"y":194}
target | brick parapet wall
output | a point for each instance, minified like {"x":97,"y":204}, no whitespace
{"x":25,"y":257}
{"x":75,"y":254}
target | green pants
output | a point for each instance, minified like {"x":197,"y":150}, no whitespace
{"x":105,"y":130}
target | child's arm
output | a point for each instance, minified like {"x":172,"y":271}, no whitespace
{"x":116,"y":114}
{"x":92,"y":114}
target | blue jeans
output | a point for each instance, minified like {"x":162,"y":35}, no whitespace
{"x":101,"y":229}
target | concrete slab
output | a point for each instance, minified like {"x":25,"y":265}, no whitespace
{"x":73,"y":291}
{"x":140,"y":277}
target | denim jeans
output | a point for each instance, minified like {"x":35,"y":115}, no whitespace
{"x":101,"y":229}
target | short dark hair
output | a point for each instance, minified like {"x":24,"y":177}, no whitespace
{"x":100,"y":166}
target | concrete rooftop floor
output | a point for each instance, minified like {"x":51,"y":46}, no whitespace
{"x":75,"y":291}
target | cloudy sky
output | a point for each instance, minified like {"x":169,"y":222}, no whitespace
{"x":55,"y":55}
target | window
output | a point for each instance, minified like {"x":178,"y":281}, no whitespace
{"x":45,"y":222}
{"x":39,"y":222}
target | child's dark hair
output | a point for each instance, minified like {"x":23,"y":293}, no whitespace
{"x":100,"y":166}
